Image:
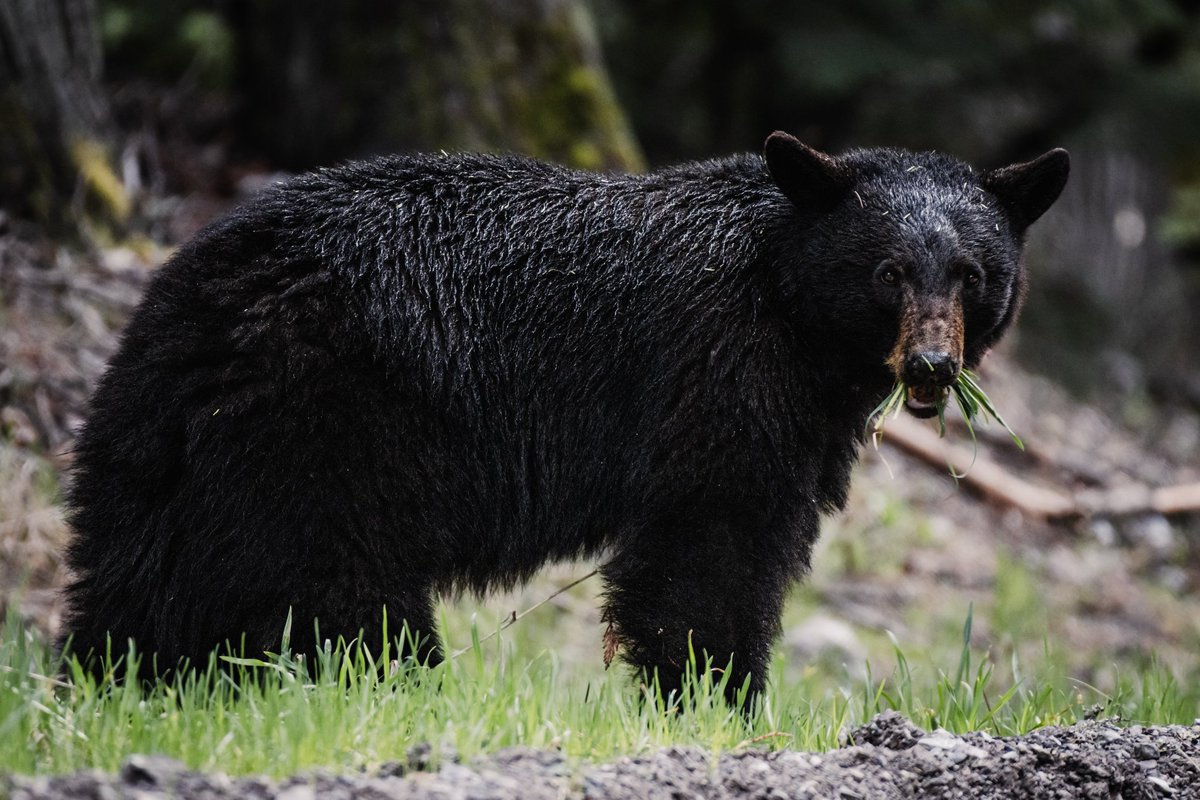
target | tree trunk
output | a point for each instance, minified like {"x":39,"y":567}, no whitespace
{"x":56,"y":137}
{"x":521,"y":75}
{"x":327,"y":82}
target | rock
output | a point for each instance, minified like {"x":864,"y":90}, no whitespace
{"x":889,"y":729}
{"x":823,"y":637}
{"x":151,"y":772}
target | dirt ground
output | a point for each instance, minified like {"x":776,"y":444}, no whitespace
{"x":887,"y":758}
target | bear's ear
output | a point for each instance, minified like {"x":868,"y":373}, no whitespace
{"x":1028,"y":189}
{"x":809,"y":178}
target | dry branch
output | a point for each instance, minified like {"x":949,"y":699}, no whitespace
{"x":1000,"y":485}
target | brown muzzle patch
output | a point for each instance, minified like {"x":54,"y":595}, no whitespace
{"x":929,"y":345}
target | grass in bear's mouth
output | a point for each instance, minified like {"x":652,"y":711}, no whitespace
{"x":972,"y":401}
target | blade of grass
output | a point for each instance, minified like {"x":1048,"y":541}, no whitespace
{"x":973,"y":403}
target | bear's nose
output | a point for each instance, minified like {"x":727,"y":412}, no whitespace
{"x":930,"y":367}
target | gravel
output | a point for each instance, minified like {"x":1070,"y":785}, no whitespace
{"x":887,"y":758}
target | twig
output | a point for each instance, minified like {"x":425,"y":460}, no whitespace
{"x":1138,"y":499}
{"x":984,"y":475}
{"x":514,"y":616}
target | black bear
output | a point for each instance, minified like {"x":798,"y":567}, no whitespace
{"x":422,"y":374}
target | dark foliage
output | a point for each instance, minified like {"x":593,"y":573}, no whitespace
{"x":421,"y":374}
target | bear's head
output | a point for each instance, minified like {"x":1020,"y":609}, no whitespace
{"x":905,"y":266}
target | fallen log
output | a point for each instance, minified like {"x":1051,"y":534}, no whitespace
{"x":982,"y":474}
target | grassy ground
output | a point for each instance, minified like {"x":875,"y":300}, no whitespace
{"x":922,"y":600}
{"x":502,"y":692}
{"x":951,"y":623}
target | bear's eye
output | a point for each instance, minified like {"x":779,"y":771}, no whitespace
{"x":889,"y":276}
{"x":970,"y":272}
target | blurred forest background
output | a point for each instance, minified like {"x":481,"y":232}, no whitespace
{"x":113,"y":114}
{"x":125,"y":125}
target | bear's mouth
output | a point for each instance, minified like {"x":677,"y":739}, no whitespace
{"x":923,"y":401}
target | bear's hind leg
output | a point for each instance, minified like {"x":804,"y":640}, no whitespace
{"x":298,"y":500}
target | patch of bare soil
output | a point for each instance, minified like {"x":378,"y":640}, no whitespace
{"x":887,"y":758}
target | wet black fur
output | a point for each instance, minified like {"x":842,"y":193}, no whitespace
{"x":425,"y":374}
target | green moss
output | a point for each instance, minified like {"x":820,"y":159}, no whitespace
{"x":572,"y":114}
{"x":534,"y":85}
{"x":95,"y":168}
{"x":1180,"y":227}
{"x":206,"y":35}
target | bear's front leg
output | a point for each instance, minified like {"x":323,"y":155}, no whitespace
{"x":714,"y":582}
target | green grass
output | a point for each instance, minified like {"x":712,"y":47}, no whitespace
{"x":973,"y":403}
{"x":276,"y":720}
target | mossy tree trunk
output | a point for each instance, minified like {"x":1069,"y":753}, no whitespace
{"x":56,"y":134}
{"x":522,"y":75}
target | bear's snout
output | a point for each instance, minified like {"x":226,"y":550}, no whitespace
{"x":928,"y":354}
{"x":930,"y":368}
{"x":929,"y":345}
